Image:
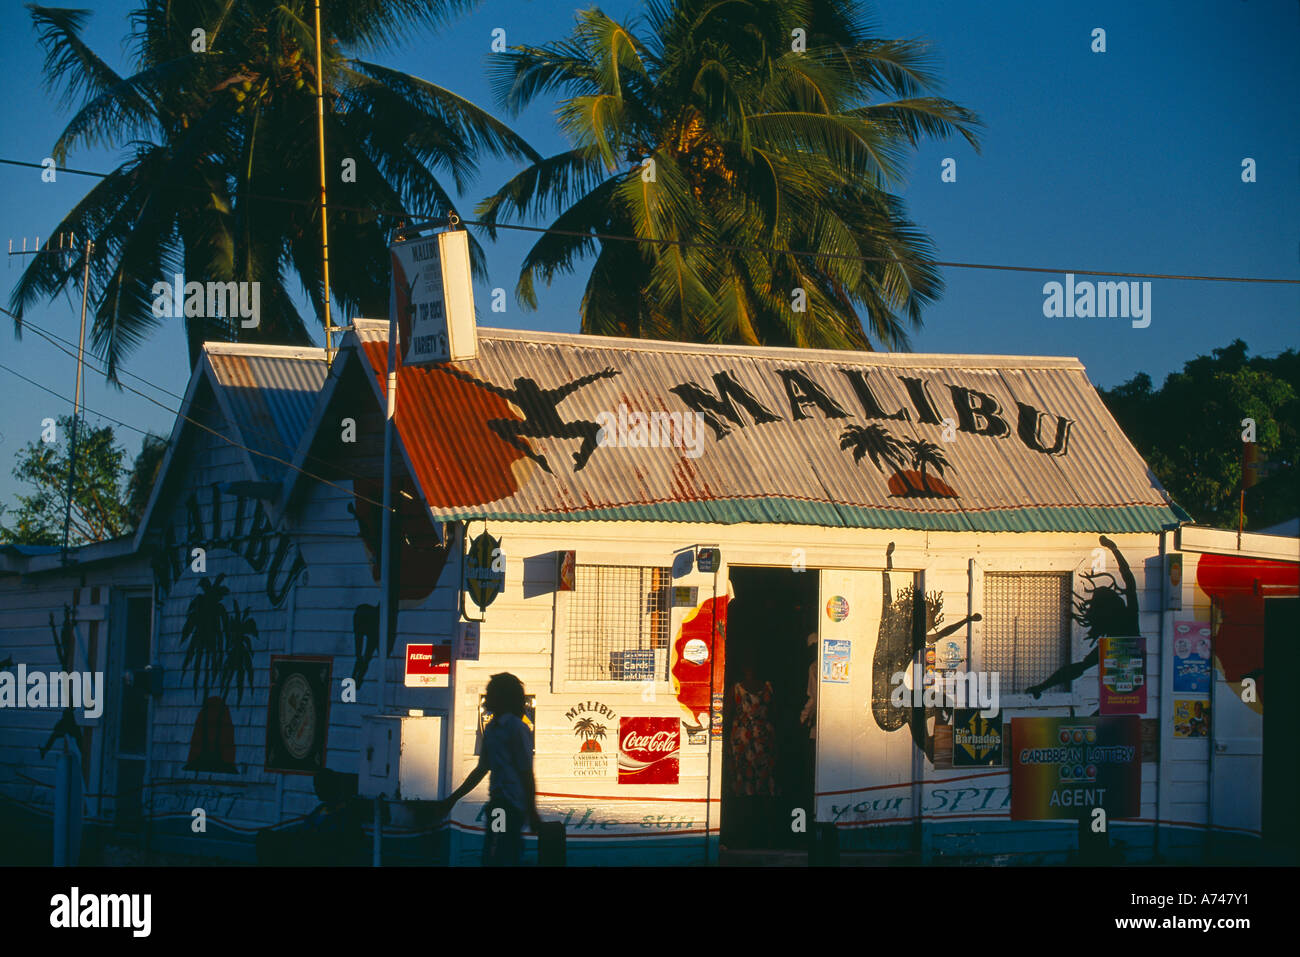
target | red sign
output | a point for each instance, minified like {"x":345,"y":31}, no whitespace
{"x":648,"y":750}
{"x":428,"y":666}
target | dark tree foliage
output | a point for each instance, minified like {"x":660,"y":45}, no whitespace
{"x":1190,"y":432}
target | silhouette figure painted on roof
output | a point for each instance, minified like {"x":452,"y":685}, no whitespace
{"x":541,"y":414}
{"x":1105,"y":610}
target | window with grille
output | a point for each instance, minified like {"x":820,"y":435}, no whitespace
{"x":1026,"y":629}
{"x":618,"y":624}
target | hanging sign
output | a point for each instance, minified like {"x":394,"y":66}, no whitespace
{"x":432,"y":299}
{"x":485,"y":570}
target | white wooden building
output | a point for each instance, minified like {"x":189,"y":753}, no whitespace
{"x":778,"y":494}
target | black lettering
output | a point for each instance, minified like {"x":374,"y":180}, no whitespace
{"x":918,"y":392}
{"x":715,"y":408}
{"x":803,"y":392}
{"x":1029,"y":426}
{"x":871,"y":407}
{"x":972,"y":406}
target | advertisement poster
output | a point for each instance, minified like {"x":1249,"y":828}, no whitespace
{"x":1191,"y":718}
{"x":636,"y":665}
{"x":1192,"y":656}
{"x":1064,"y":767}
{"x":592,"y":720}
{"x":715,"y":720}
{"x":297,"y":714}
{"x":976,"y":740}
{"x":649,"y":750}
{"x":428,"y":666}
{"x":485,"y":718}
{"x":835,"y":661}
{"x":467,"y":637}
{"x":1123,"y":682}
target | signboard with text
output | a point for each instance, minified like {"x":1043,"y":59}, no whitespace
{"x":432,"y":299}
{"x":1063,"y":768}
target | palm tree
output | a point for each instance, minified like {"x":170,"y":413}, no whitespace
{"x":876,"y":442}
{"x":926,"y":454}
{"x":204,"y":632}
{"x":220,"y":179}
{"x":702,"y":128}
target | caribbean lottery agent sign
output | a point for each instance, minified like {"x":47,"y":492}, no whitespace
{"x":485,"y":570}
{"x":1065,"y":767}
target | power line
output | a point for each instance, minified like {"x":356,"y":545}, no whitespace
{"x":730,"y":247}
{"x":200,"y":425}
{"x":244,"y":428}
{"x":125,"y":425}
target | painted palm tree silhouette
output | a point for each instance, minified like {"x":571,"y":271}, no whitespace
{"x":876,"y":442}
{"x":927,"y":454}
{"x":204,"y":632}
{"x":237,"y":665}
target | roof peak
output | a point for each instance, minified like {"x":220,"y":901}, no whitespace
{"x":371,"y":327}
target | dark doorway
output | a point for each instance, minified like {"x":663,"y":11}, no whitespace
{"x":1281,"y":835}
{"x":769,"y":726}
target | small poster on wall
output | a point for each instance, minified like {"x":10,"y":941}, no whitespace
{"x":297,"y":714}
{"x":976,"y":740}
{"x":1191,"y":718}
{"x":1123,"y":681}
{"x":835,"y":661}
{"x":1192,"y":656}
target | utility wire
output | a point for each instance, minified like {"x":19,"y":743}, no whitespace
{"x":243,"y":427}
{"x":730,"y":247}
{"x":200,"y":425}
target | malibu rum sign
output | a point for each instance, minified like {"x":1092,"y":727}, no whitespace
{"x":432,"y":298}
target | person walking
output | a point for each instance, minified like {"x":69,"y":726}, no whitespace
{"x":507,"y":756}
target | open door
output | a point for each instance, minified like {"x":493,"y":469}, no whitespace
{"x":769,"y":714}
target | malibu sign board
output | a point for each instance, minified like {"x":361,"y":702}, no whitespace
{"x":432,"y":298}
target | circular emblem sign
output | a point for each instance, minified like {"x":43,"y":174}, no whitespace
{"x":695,"y":651}
{"x":297,"y":716}
{"x":837,"y":608}
{"x":485,"y":570}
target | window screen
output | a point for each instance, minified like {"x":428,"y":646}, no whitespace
{"x":1026,"y":628}
{"x":618,"y":624}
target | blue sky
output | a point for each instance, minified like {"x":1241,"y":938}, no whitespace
{"x":1127,"y":160}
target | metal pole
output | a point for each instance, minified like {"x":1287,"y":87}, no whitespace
{"x":76,"y":403}
{"x":324,"y":218}
{"x":385,"y":539}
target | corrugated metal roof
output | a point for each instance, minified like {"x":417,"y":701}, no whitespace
{"x":271,"y":392}
{"x":485,"y":438}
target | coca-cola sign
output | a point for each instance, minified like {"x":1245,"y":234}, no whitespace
{"x":649,"y":750}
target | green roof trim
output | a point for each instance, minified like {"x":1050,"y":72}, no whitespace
{"x":779,"y":511}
